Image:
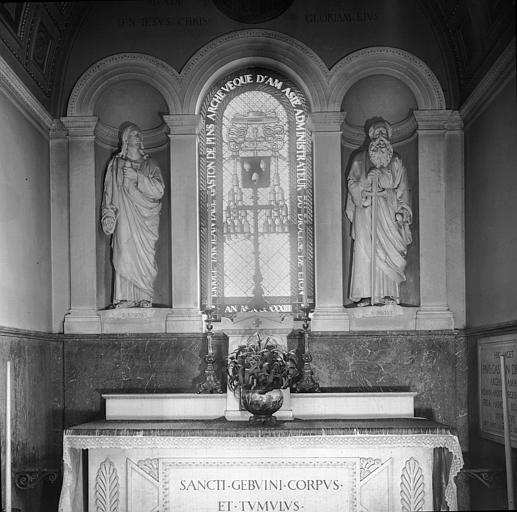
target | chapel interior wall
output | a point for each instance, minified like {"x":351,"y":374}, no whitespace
{"x":36,"y":411}
{"x":491,"y":245}
{"x":491,"y":210}
{"x":25,"y":231}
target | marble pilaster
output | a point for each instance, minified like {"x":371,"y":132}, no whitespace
{"x":82,"y":317}
{"x":60,"y":226}
{"x":434,"y":311}
{"x":183,"y":135}
{"x":455,"y":217}
{"x":329,"y":315}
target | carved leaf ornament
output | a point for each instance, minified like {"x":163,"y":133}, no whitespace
{"x":412,"y":491}
{"x":107,"y":491}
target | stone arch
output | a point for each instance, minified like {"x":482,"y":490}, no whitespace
{"x":262,"y":48}
{"x":119,"y":67}
{"x":383,"y":60}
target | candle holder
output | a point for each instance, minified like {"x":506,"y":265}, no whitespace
{"x":211,"y":384}
{"x":307,"y":384}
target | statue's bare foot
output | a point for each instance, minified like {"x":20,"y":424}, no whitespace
{"x":363,"y":302}
{"x":124,"y":304}
{"x":144,"y":304}
{"x":388,"y":301}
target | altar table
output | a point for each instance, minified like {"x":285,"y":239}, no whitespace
{"x":402,"y":464}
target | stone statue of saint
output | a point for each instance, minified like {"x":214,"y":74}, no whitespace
{"x":133,"y":188}
{"x":379,"y":209}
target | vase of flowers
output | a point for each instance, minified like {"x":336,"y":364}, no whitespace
{"x":257,"y":372}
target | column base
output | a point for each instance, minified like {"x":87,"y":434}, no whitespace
{"x":184,"y":320}
{"x":330,"y":319}
{"x":433,"y":318}
{"x":82,"y":321}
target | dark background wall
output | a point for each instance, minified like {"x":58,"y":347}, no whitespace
{"x":491,"y":249}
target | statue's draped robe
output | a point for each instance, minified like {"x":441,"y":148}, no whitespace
{"x":392,"y":238}
{"x":136,"y":206}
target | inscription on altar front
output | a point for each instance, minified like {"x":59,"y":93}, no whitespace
{"x":490,"y":386}
{"x":233,"y":485}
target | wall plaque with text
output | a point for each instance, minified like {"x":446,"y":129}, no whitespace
{"x":490,"y":389}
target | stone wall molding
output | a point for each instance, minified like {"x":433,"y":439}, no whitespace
{"x":18,"y":93}
{"x":501,"y":72}
{"x":121,"y":67}
{"x":384,"y":60}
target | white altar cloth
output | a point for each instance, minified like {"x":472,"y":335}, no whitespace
{"x":330,"y":465}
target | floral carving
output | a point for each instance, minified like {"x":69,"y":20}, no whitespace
{"x":107,"y":488}
{"x":412,"y":491}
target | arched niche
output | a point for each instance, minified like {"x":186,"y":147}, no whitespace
{"x":395,"y":84}
{"x":124,"y":87}
{"x":391,"y":62}
{"x":255,"y":48}
{"x":119,"y":68}
{"x":136,"y":101}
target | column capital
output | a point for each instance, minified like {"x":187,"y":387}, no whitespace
{"x":80,"y":126}
{"x":438,"y":120}
{"x":58,"y":130}
{"x":326,"y":121}
{"x":183,"y":124}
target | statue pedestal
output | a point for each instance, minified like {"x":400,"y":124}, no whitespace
{"x":382,"y":318}
{"x":134,"y":320}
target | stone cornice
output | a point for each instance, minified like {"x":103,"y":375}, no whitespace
{"x":355,"y":135}
{"x":326,"y":121}
{"x":109,"y":136}
{"x":12,"y":332}
{"x":438,"y":120}
{"x":183,"y":124}
{"x":497,"y":77}
{"x":58,"y":130}
{"x":80,"y":126}
{"x":15,"y":90}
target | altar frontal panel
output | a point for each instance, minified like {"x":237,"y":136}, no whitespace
{"x":262,"y":479}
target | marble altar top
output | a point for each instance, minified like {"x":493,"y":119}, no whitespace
{"x":222,"y":428}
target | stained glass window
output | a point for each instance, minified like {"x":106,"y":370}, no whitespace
{"x":255,"y":194}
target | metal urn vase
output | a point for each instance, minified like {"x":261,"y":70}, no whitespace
{"x":262,"y":404}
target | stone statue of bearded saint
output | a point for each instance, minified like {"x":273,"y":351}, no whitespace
{"x":382,"y":166}
{"x":133,"y":188}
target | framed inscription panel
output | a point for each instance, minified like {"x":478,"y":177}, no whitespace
{"x":490,"y":389}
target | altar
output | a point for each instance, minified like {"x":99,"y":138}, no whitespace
{"x":399,"y":464}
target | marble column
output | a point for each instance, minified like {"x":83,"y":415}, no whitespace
{"x":82,"y":317}
{"x":60,"y":225}
{"x":183,"y":134}
{"x":329,"y":313}
{"x":434,"y":312}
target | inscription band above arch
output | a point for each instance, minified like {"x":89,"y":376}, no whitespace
{"x":119,"y":67}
